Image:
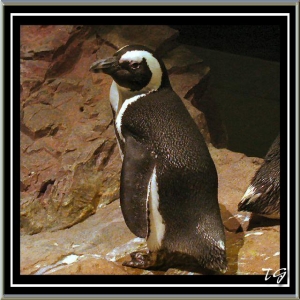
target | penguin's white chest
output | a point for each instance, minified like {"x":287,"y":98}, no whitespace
{"x":114,"y":97}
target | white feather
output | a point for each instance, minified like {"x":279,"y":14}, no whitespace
{"x":157,"y":226}
{"x":251,"y":193}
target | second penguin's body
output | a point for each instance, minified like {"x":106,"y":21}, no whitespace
{"x":169,"y":184}
{"x":263,"y":194}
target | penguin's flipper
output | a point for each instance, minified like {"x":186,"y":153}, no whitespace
{"x":137,"y":168}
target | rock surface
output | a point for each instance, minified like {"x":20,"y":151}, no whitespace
{"x":71,"y":222}
{"x":100,"y":244}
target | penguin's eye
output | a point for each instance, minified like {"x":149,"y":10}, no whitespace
{"x":134,"y":65}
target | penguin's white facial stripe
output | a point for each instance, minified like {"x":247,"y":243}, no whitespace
{"x":121,"y":113}
{"x":133,"y":56}
{"x":137,"y":56}
{"x":157,"y":227}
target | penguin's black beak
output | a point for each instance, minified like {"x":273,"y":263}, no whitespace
{"x":106,"y":65}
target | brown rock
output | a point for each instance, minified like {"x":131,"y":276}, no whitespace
{"x":261,"y":250}
{"x":38,"y":46}
{"x":40,"y":120}
{"x":41,"y":42}
{"x":229,"y":221}
{"x":240,"y":169}
{"x":159,"y":38}
{"x":100,"y":243}
{"x":32,"y":76}
{"x":59,"y":144}
{"x":96,"y":237}
{"x":179,"y":59}
{"x":71,"y":56}
{"x":87,"y":266}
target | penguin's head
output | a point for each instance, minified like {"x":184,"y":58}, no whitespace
{"x":135,"y":68}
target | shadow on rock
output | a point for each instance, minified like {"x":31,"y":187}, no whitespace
{"x":260,"y":221}
{"x":234,"y":239}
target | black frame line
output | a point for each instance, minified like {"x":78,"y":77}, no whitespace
{"x":185,"y":286}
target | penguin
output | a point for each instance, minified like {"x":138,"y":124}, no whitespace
{"x":263,"y":194}
{"x":169,"y":183}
